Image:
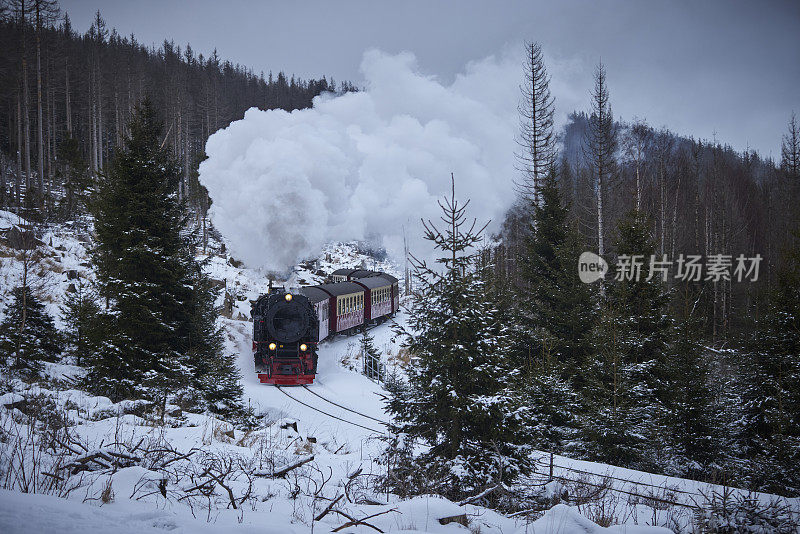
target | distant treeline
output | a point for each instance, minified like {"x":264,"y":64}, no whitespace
{"x":57,"y":85}
{"x":701,"y":198}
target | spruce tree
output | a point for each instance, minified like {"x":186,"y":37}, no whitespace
{"x":80,"y":314}
{"x":536,"y":140}
{"x":162,"y":342}
{"x":216,"y":377}
{"x":27,"y":334}
{"x":555,"y":305}
{"x":74,"y":173}
{"x":457,"y":400}
{"x":555,"y":312}
{"x":690,"y":418}
{"x":629,"y":375}
{"x":771,"y":427}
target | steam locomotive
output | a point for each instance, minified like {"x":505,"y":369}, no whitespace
{"x":288,"y":327}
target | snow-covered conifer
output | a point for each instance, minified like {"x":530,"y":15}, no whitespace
{"x":458,"y":415}
{"x":27,"y":333}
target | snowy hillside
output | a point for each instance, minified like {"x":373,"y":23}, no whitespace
{"x":73,"y":462}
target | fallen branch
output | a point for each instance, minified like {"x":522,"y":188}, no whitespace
{"x":481,"y":495}
{"x":354,"y":522}
{"x":329,"y":507}
{"x":280,"y":473}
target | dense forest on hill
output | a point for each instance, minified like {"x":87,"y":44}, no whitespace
{"x":700,"y":197}
{"x":66,"y":100}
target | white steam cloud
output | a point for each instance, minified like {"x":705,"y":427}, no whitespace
{"x":362,"y":165}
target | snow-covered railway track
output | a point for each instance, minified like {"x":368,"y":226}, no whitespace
{"x":295,"y":399}
{"x":343,"y":407}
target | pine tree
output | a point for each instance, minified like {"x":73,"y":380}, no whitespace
{"x":790,"y":150}
{"x":555,"y":312}
{"x":74,"y":174}
{"x":629,"y":380}
{"x":80,"y":314}
{"x":369,"y":354}
{"x":600,"y":147}
{"x":771,"y":426}
{"x":693,"y":425}
{"x":556,"y":307}
{"x":27,"y":333}
{"x":458,"y":400}
{"x":536,"y":139}
{"x":162,"y":341}
{"x":216,"y":377}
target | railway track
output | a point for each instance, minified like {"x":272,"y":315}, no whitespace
{"x":343,"y":407}
{"x":381,"y":432}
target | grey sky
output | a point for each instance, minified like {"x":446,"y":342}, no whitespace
{"x":699,"y":68}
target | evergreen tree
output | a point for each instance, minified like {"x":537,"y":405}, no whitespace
{"x":771,"y":429}
{"x":790,"y":150}
{"x":690,"y":417}
{"x":74,"y":174}
{"x":80,"y":314}
{"x":458,"y":400}
{"x":27,"y":333}
{"x":556,"y":307}
{"x":629,"y":376}
{"x":556,"y":312}
{"x":369,"y":355}
{"x":162,"y":341}
{"x":216,"y":377}
{"x":600,"y":146}
{"x":536,"y":139}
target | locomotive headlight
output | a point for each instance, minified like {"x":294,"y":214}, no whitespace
{"x":303,"y":347}
{"x":288,"y":297}
{"x":272,"y":346}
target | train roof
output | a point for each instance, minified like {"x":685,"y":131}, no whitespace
{"x":314,"y":294}
{"x":363,"y":273}
{"x":341,"y":288}
{"x":343,"y":272}
{"x":389,"y":277}
{"x":374,"y":281}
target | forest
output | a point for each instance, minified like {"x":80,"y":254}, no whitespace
{"x":510,"y":352}
{"x":66,"y":100}
{"x":690,"y":376}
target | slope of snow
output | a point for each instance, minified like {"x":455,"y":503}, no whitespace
{"x":338,"y":420}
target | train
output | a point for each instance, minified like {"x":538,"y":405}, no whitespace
{"x":289,"y":326}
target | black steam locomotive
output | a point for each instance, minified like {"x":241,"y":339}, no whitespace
{"x":287,"y":327}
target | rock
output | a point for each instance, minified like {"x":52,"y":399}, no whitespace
{"x":72,"y":274}
{"x":293,"y":425}
{"x":230,"y":433}
{"x":460,"y":519}
{"x":216,"y":283}
{"x":72,"y":289}
{"x":23,"y":239}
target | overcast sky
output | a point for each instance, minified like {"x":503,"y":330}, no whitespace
{"x":728,"y":68}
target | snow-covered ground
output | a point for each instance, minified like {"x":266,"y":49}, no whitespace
{"x":175,"y":476}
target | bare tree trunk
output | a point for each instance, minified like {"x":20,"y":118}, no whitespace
{"x":26,"y":113}
{"x":18,"y":181}
{"x":117,"y":122}
{"x":100,"y":143}
{"x":40,"y":119}
{"x":67,"y":96}
{"x":663,"y":201}
{"x":600,"y":247}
